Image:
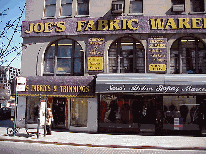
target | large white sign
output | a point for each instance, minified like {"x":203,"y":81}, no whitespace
{"x":20,"y":83}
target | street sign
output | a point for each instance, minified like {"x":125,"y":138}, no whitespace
{"x":21,"y":82}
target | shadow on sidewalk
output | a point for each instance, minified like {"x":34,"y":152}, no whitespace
{"x":165,"y":133}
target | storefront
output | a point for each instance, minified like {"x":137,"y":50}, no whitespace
{"x":151,"y":103}
{"x":134,"y":55}
{"x":71,"y":100}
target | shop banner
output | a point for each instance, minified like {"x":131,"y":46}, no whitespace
{"x":58,"y":86}
{"x":150,"y":88}
{"x":115,"y":25}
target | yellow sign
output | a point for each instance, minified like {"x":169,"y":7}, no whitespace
{"x":95,"y":63}
{"x":157,"y":67}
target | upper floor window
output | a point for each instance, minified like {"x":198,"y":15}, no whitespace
{"x":66,"y":7}
{"x":188,"y":56}
{"x":178,"y":6}
{"x":136,"y":6}
{"x":64,"y":57}
{"x":50,"y":8}
{"x":83,"y":7}
{"x":126,"y":55}
{"x":197,"y":5}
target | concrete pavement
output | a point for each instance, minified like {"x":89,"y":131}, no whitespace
{"x":107,"y":140}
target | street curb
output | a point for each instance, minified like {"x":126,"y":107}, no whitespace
{"x":108,"y":146}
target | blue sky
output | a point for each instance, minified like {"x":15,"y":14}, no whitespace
{"x":12,"y":14}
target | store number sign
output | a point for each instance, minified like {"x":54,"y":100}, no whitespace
{"x":157,"y":54}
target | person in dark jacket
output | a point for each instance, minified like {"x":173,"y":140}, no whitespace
{"x":113,"y":110}
{"x":184,"y":111}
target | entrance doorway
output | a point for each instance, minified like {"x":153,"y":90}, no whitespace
{"x":58,"y":110}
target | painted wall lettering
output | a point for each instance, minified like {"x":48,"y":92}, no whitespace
{"x":178,"y":23}
{"x":46,"y":27}
{"x":111,"y":25}
{"x":115,"y":25}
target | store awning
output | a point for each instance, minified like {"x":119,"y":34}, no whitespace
{"x":151,"y":83}
{"x":57,"y":86}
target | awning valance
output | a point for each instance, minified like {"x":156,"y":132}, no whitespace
{"x":57,"y":86}
{"x":151,"y":83}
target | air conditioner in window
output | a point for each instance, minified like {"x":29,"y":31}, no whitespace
{"x":178,"y":8}
{"x":117,"y":7}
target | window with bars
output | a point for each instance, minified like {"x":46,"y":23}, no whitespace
{"x":64,"y":57}
{"x":50,"y":8}
{"x":136,"y":6}
{"x":66,"y":7}
{"x":83,"y":7}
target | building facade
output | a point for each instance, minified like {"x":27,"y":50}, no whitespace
{"x":6,"y":76}
{"x":149,"y":58}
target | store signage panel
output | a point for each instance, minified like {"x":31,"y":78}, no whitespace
{"x":157,"y":54}
{"x":95,"y":53}
{"x":115,"y":25}
{"x":151,"y":88}
{"x":58,"y":86}
{"x":95,"y":63}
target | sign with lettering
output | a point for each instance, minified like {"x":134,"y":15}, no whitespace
{"x":157,"y":54}
{"x":95,"y":54}
{"x":57,"y":86}
{"x":115,"y":25}
{"x":95,"y":63}
{"x":150,"y":88}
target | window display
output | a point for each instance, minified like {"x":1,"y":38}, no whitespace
{"x":32,"y":110}
{"x":126,"y":111}
{"x":183,"y":107}
{"x":79,"y":112}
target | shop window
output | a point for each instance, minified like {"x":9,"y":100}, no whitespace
{"x":197,"y":5}
{"x":79,"y":112}
{"x":126,"y":55}
{"x":83,"y":7}
{"x":32,"y":110}
{"x":181,"y":109}
{"x":188,"y":56}
{"x":50,"y":8}
{"x":64,"y":57}
{"x":136,"y":6}
{"x":66,"y":7}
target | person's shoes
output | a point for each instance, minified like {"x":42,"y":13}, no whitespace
{"x":48,"y":134}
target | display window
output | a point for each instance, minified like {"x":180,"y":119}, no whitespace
{"x":79,"y":112}
{"x":183,"y":107}
{"x":126,"y":111}
{"x":32,"y":110}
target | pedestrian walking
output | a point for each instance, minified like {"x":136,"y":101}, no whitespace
{"x":49,"y":119}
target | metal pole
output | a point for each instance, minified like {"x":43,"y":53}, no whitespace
{"x":38,"y":116}
{"x":45,"y":118}
{"x":15,"y":115}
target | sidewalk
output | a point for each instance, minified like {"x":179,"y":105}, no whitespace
{"x":106,"y":140}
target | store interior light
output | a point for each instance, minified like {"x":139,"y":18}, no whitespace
{"x":129,"y":43}
{"x":64,"y":44}
{"x":188,"y":40}
{"x":126,"y":43}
